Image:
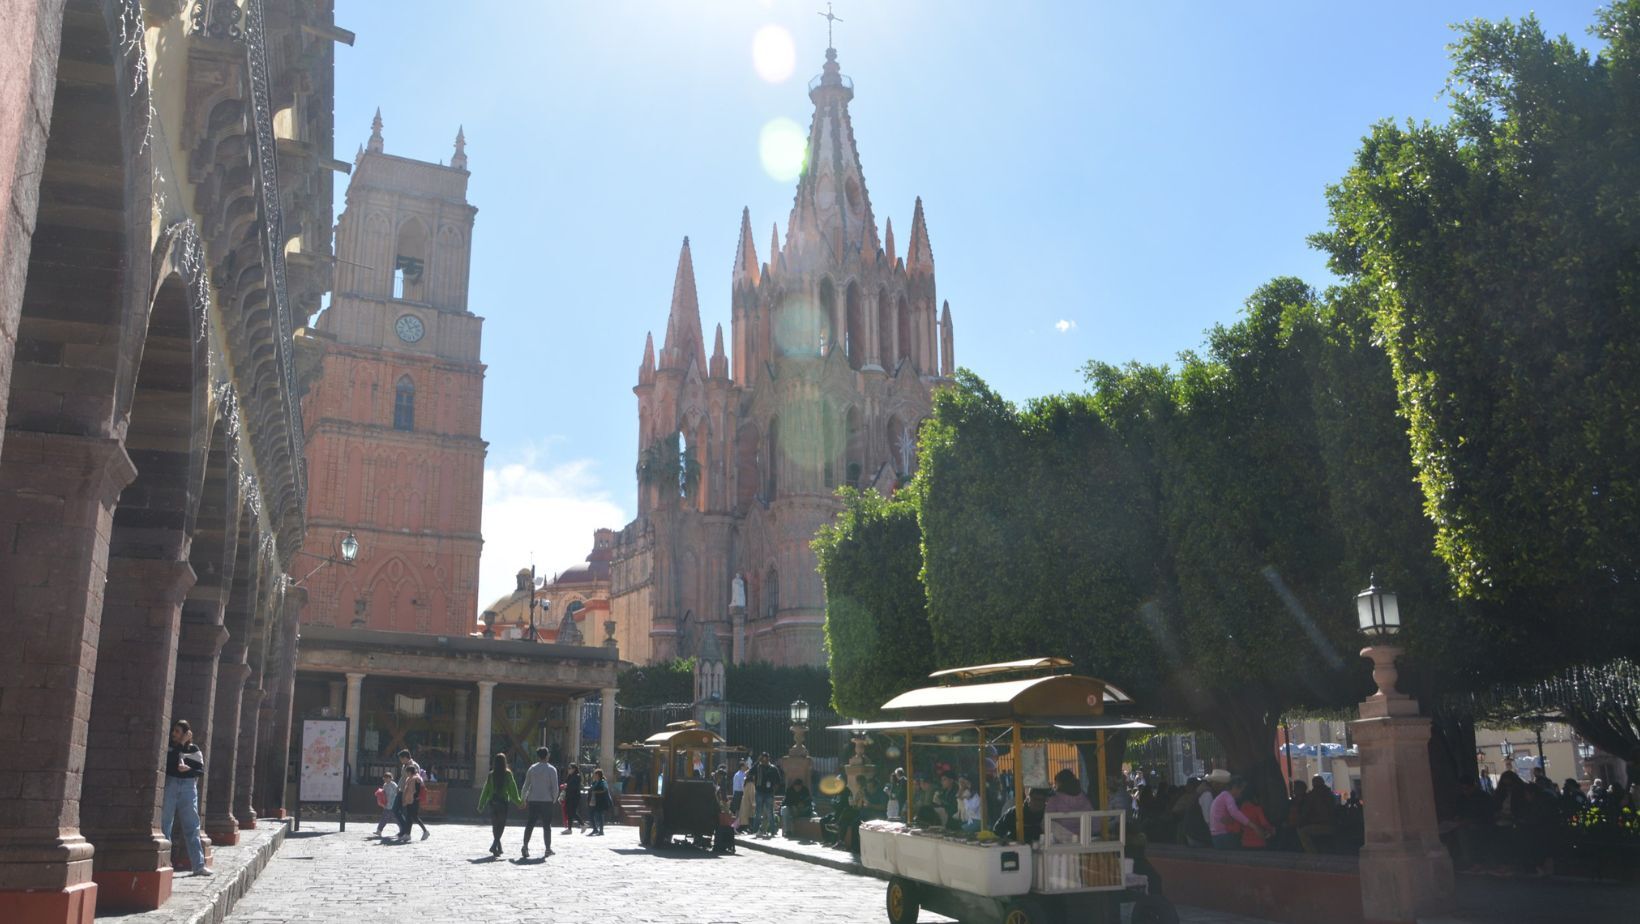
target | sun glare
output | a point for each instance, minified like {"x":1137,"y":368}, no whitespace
{"x":774,"y":55}
{"x":782,"y":147}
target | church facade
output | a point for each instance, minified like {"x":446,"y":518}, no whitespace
{"x":836,"y":343}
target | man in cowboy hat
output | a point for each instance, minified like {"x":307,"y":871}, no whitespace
{"x":1216,"y":782}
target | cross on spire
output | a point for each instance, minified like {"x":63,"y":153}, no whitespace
{"x":830,"y":18}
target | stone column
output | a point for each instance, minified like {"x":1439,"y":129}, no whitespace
{"x":737,"y":620}
{"x":574,"y":736}
{"x":481,"y":744}
{"x":1405,"y":871}
{"x":606,"y":733}
{"x":338,"y":689}
{"x":463,"y":706}
{"x":199,"y":647}
{"x":275,"y":770}
{"x":130,"y":725}
{"x":222,"y":760}
{"x":250,"y":712}
{"x":57,"y":496}
{"x":355,"y":686}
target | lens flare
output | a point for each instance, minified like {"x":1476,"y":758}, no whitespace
{"x":774,"y":54}
{"x":783,"y":147}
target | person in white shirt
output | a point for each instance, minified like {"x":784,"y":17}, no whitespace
{"x":737,"y":787}
{"x":540,"y":794}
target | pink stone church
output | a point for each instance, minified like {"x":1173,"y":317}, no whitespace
{"x":838,"y":341}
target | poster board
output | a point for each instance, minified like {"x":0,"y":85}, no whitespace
{"x":1033,"y":766}
{"x":324,"y":760}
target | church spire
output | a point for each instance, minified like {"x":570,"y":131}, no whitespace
{"x":458,"y":160}
{"x":646,"y":369}
{"x":374,"y":146}
{"x":683,"y":341}
{"x":948,"y":342}
{"x":746,"y":251}
{"x":720,"y":362}
{"x":774,"y":245}
{"x":919,"y":256}
{"x":832,"y":210}
{"x":888,"y":242}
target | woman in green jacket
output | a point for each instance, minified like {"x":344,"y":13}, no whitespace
{"x":500,"y":792}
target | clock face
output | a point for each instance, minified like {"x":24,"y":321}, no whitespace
{"x":409,"y":328}
{"x":713,"y":717}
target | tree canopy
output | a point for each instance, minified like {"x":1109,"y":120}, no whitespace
{"x":1498,"y":257}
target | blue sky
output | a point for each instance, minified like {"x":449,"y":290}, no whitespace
{"x":1101,"y":180}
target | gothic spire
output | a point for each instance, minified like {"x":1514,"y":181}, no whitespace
{"x":375,"y":144}
{"x":720,"y":362}
{"x":832,"y":210}
{"x":683,"y":341}
{"x":458,"y":160}
{"x":948,"y":342}
{"x":918,"y":255}
{"x":746,"y":251}
{"x":888,"y":242}
{"x":646,"y":369}
{"x":774,"y":245}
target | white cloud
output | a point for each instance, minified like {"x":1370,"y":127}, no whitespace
{"x":540,"y":509}
{"x":1065,"y":327}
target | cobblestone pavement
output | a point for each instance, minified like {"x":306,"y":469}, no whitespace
{"x":321,"y":874}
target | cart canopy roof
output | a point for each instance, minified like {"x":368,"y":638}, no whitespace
{"x":1060,"y":698}
{"x":1003,"y":667}
{"x":692,"y":739}
{"x":958,"y":724}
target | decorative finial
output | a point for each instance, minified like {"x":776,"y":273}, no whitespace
{"x":830,"y":18}
{"x":374,"y":146}
{"x":458,"y":160}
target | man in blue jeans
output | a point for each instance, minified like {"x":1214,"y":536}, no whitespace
{"x":765,"y":783}
{"x":184,"y":766}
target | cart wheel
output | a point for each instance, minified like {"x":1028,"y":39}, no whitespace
{"x":1154,"y":909}
{"x":902,"y":902}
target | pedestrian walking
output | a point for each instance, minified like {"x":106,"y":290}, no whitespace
{"x":572,"y":798}
{"x":500,"y":792}
{"x":766,"y":782}
{"x":540,"y":801}
{"x":387,"y":796}
{"x":738,"y":787}
{"x":184,"y":766}
{"x":411,"y":790}
{"x":599,"y":794}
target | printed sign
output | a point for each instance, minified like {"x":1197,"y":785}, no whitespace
{"x":1033,"y":765}
{"x":324,"y":759}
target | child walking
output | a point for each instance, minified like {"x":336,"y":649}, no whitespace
{"x":500,"y":792}
{"x":387,"y":796}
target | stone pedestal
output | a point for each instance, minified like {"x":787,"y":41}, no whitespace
{"x":1405,"y":871}
{"x":57,"y":496}
{"x":797,"y":765}
{"x":858,"y":770}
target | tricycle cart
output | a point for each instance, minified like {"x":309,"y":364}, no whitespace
{"x":1077,"y":870}
{"x":675,"y":801}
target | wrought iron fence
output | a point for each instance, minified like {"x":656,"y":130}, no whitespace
{"x":755,"y":728}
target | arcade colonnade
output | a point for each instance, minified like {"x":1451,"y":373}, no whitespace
{"x":167,"y":174}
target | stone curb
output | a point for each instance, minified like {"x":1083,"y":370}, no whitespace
{"x":774,"y":847}
{"x":223,"y":890}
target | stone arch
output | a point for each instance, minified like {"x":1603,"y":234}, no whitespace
{"x":854,"y":456}
{"x":748,"y":443}
{"x":854,"y":330}
{"x":902,"y":331}
{"x":411,"y":249}
{"x":695,"y":436}
{"x":772,"y":461}
{"x":828,"y":446}
{"x":827,"y":334}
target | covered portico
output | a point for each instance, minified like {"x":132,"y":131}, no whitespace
{"x":453,"y":701}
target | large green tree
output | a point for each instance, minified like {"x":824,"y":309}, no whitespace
{"x":1498,"y":256}
{"x":877,"y":636}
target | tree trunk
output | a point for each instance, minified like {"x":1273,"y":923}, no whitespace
{"x":1248,"y":734}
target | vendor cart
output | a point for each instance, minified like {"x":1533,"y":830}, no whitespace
{"x":676,"y":800}
{"x":1077,"y":870}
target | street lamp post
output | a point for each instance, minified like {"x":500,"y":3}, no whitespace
{"x":1405,"y":871}
{"x":797,"y":764}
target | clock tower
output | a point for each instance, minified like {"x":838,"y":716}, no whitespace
{"x":393,"y":450}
